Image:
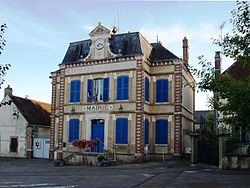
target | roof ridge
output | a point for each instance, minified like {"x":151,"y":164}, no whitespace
{"x":39,"y":101}
{"x":30,"y":99}
{"x":145,"y":39}
{"x":80,"y":41}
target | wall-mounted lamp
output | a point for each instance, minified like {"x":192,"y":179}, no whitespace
{"x":121,"y":108}
{"x":73,"y":109}
{"x":15,"y":115}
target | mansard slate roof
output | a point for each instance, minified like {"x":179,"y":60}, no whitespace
{"x":159,"y":53}
{"x":35,"y":112}
{"x":125,"y":44}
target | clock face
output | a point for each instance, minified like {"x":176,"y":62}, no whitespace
{"x":99,"y":44}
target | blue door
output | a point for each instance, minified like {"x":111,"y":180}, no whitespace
{"x":97,"y":132}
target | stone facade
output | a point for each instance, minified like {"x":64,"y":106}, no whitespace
{"x":103,"y":59}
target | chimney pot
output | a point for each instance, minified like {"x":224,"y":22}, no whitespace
{"x":217,"y":62}
{"x":185,"y":50}
{"x":8,"y":91}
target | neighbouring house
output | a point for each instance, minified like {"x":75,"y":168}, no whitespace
{"x":200,"y":119}
{"x":235,"y":147}
{"x":136,"y":97}
{"x":24,"y":127}
{"x":237,"y":72}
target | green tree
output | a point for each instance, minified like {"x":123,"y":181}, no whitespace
{"x":3,"y":67}
{"x":237,"y":45}
{"x":235,"y":92}
{"x":210,"y":120}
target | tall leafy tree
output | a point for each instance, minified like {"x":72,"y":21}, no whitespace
{"x":3,"y":67}
{"x":237,"y":45}
{"x":234,"y":92}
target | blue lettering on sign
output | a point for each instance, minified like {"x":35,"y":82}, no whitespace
{"x":98,"y":107}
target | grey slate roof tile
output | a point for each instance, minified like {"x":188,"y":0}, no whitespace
{"x":125,"y":44}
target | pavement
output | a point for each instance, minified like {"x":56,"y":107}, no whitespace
{"x":40,"y":173}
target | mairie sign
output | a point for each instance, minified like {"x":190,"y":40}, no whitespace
{"x":97,"y":107}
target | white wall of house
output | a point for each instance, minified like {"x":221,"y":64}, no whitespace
{"x":12,"y":128}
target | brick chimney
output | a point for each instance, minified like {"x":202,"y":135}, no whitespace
{"x":7,"y":91}
{"x":217,"y":62}
{"x":185,"y":50}
{"x":217,"y":66}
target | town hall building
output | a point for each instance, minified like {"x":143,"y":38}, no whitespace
{"x":136,"y":97}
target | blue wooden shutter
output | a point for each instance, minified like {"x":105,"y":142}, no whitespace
{"x":125,"y":130}
{"x":146,"y":123}
{"x":162,"y":90}
{"x":165,"y":90}
{"x":161,"y":132}
{"x":119,"y":88}
{"x":121,"y":131}
{"x":118,"y":135}
{"x":90,"y":90}
{"x":75,"y":89}
{"x":158,"y":91}
{"x":73,"y":129}
{"x":72,"y":88}
{"x":106,"y":89}
{"x":125,"y":87}
{"x":122,"y":88}
{"x":146,"y":89}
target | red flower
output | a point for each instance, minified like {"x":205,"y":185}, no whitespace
{"x":82,"y":144}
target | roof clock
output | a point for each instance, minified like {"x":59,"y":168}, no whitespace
{"x":100,"y":46}
{"x":99,"y":43}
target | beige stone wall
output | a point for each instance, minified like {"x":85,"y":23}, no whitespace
{"x":154,"y":111}
{"x":187,"y":126}
{"x":162,"y":69}
{"x":42,"y":132}
{"x":151,"y":110}
{"x":110,"y":136}
{"x":112,"y":91}
{"x":160,"y":148}
{"x":187,"y":109}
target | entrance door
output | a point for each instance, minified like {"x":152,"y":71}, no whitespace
{"x":97,"y":132}
{"x":41,"y":148}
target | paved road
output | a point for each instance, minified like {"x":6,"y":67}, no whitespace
{"x":41,"y":173}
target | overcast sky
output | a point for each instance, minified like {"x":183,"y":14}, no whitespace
{"x":39,"y":33}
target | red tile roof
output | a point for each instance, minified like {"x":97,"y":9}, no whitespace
{"x":237,"y":70}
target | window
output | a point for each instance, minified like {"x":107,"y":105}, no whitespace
{"x":122,"y":88}
{"x":121,"y":131}
{"x":13,"y":144}
{"x":146,"y":123}
{"x":161,"y":132}
{"x":162,"y":90}
{"x":73,"y":129}
{"x":98,"y":90}
{"x":90,"y":90}
{"x":105,"y":89}
{"x":146,"y":89}
{"x":75,"y":90}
